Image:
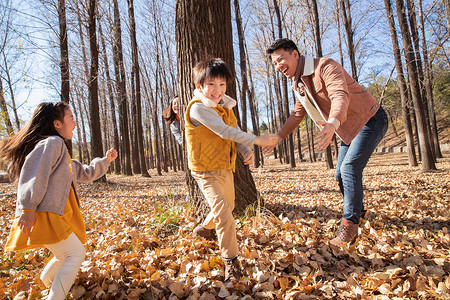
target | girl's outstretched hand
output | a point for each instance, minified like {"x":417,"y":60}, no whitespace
{"x":26,"y":221}
{"x":111,"y":155}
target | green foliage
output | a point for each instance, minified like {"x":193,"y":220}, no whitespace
{"x":391,"y":99}
{"x":263,"y":128}
{"x":441,"y":92}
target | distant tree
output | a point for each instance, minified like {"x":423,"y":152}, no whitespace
{"x":4,"y":111}
{"x":96,"y":132}
{"x":245,"y":86}
{"x":137,"y":117}
{"x":112,"y":99}
{"x":316,"y":28}
{"x":64,"y":48}
{"x":425,"y":149}
{"x":263,"y":128}
{"x":447,"y":10}
{"x":121,"y":92}
{"x":428,"y":85}
{"x":347,"y":16}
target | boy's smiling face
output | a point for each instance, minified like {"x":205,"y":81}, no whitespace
{"x":214,"y":88}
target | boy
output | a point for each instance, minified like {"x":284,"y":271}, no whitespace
{"x":213,"y":137}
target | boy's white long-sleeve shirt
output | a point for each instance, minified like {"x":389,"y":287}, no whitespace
{"x":204,"y":114}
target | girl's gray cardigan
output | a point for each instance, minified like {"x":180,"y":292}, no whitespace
{"x":45,"y":177}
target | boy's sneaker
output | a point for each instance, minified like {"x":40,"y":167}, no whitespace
{"x":204,"y":233}
{"x":232,"y":269}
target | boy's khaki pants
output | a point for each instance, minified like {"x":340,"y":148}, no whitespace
{"x":218,"y":188}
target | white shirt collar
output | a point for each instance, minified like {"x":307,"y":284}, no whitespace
{"x":228,"y":102}
{"x":308,"y":69}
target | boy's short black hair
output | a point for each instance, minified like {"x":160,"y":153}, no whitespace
{"x":283,"y":43}
{"x":210,"y":68}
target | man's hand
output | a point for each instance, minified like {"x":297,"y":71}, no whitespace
{"x":269,"y":148}
{"x":26,"y":221}
{"x":268,"y":140}
{"x":111,"y":155}
{"x":326,"y":134}
{"x":249,"y":157}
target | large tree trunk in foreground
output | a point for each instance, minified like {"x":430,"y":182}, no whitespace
{"x":203,"y":28}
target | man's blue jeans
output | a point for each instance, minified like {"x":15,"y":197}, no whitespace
{"x":353,"y":158}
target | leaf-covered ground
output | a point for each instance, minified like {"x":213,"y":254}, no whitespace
{"x":140,"y":243}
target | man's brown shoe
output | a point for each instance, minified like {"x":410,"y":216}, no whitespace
{"x":347,"y":233}
{"x":232,"y":269}
{"x":204,"y":233}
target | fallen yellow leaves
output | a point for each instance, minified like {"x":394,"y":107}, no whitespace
{"x":140,"y":243}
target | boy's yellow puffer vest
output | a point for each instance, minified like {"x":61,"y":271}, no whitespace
{"x":206,"y":150}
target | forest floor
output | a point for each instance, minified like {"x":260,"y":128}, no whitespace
{"x":140,"y":242}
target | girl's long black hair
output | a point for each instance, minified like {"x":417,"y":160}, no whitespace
{"x":15,"y":148}
{"x":168,"y":114}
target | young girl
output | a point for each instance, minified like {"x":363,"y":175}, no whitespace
{"x":212,"y":138}
{"x":171,"y":115}
{"x":47,"y":208}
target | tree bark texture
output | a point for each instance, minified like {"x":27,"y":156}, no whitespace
{"x":96,"y":135}
{"x":64,"y":49}
{"x":425,"y":149}
{"x":315,"y":15}
{"x":346,"y":13}
{"x":203,"y":29}
{"x":4,"y":111}
{"x":138,"y":118}
{"x":112,"y":104}
{"x":122,"y":94}
{"x":428,"y":86}
{"x":243,"y":65}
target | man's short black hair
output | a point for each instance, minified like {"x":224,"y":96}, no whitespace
{"x":283,"y":43}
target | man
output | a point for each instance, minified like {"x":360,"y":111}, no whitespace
{"x":337,"y":104}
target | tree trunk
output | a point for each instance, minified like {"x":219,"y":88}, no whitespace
{"x":96,"y":135}
{"x":194,"y":27}
{"x":428,"y":87}
{"x":11,"y":92}
{"x":346,"y":13}
{"x":64,"y":50}
{"x":415,"y":37}
{"x":299,"y":145}
{"x":425,"y":149}
{"x":243,"y":65}
{"x":273,"y":124}
{"x":155,"y":153}
{"x":122,"y":94}
{"x":112,"y":106}
{"x":315,"y":15}
{"x":312,"y":125}
{"x":289,"y":141}
{"x":4,"y":111}
{"x":254,"y":112}
{"x":64,"y":64}
{"x":137,"y":72}
{"x":245,"y":86}
{"x":80,"y":144}
{"x":447,"y":12}
{"x":338,"y":25}
{"x":310,"y":151}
